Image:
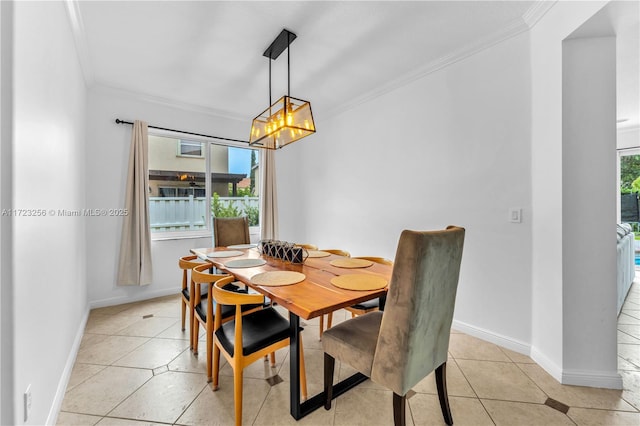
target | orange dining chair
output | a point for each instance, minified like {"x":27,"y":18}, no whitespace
{"x":308,"y":246}
{"x":330,"y":314}
{"x":187,"y":263}
{"x":204,"y":309}
{"x":247,"y":338}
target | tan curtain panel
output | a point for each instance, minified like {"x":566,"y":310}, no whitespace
{"x":134,"y":267}
{"x":268,"y":195}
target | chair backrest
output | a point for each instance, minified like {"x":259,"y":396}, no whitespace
{"x":226,"y":297}
{"x":187,"y":263}
{"x":228,"y":231}
{"x":414,"y":333}
{"x":308,"y":246}
{"x":338,"y":252}
{"x":376,"y":259}
{"x":200,"y":275}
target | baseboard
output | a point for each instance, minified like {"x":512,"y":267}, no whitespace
{"x":547,"y":364}
{"x":489,"y":336}
{"x":598,"y":379}
{"x":146,"y":295}
{"x":52,"y":418}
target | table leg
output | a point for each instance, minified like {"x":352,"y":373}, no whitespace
{"x":299,"y":410}
{"x":294,"y":365}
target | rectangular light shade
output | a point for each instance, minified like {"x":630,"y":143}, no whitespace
{"x":286,"y":121}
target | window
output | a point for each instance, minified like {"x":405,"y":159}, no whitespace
{"x":190,"y":149}
{"x":203,"y":180}
{"x":629,"y":178}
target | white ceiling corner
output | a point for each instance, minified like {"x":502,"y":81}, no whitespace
{"x":206,"y":56}
{"x":80,"y":39}
{"x":537,"y":10}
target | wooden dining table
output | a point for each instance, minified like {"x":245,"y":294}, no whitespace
{"x":310,"y":298}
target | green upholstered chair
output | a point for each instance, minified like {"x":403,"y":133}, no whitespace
{"x":401,"y":345}
{"x":228,"y":231}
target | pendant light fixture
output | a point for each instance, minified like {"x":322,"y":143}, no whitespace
{"x":288,"y":119}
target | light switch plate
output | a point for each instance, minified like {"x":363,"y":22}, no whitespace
{"x":515,"y":215}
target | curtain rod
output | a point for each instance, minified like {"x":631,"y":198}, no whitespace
{"x":118,"y":121}
{"x":628,"y":148}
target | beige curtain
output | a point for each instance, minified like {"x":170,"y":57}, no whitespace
{"x":268,"y":195}
{"x":134,"y":267}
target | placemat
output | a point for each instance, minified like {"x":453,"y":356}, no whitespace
{"x":359,"y":282}
{"x":226,"y":253}
{"x":277,"y":278}
{"x":318,"y":253}
{"x":242,"y":246}
{"x":348,"y":262}
{"x":245,"y":263}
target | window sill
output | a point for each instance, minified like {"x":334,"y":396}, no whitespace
{"x":162,"y":236}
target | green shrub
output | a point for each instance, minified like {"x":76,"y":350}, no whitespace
{"x":221,"y":209}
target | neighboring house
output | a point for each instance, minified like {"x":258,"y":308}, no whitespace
{"x":177,"y":169}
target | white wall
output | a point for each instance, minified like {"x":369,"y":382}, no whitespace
{"x":450,"y":148}
{"x":6,"y":221}
{"x":550,"y":333}
{"x":49,"y":292}
{"x":107,"y":158}
{"x":589,"y":204}
{"x":628,"y":137}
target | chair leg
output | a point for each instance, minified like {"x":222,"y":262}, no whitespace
{"x":399,"y":403}
{"x":272,"y":355}
{"x":321,"y":325}
{"x":329,"y":364}
{"x":237,"y":395}
{"x":216,"y":366}
{"x":329,"y":320}
{"x":209,"y":329}
{"x":184,"y":311}
{"x":441,"y":384}
{"x":195,"y":331}
{"x":191,"y":320}
{"x":303,"y":371}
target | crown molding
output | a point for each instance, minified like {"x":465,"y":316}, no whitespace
{"x":629,"y":129}
{"x":516,"y":27}
{"x":537,"y":10}
{"x":171,"y":103}
{"x":80,"y":39}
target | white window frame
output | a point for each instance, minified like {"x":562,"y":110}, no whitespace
{"x":185,"y":142}
{"x":206,"y":148}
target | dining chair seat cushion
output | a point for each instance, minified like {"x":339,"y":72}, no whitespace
{"x":259,"y":330}
{"x":369,"y":304}
{"x":203,"y":295}
{"x":354,"y":341}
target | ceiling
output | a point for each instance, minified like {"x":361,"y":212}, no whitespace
{"x":208,"y":54}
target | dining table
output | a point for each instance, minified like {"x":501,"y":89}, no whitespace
{"x":313,"y":296}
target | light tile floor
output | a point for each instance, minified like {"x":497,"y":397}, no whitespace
{"x":134,"y":367}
